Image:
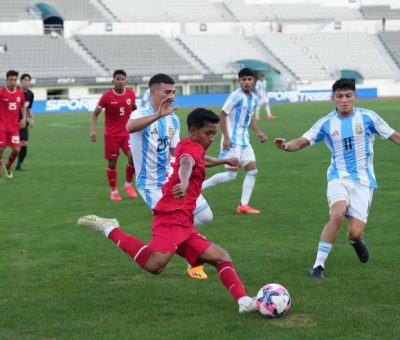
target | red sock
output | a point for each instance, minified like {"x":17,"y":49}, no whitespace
{"x":11,"y":159}
{"x":130,"y":171}
{"x":112,"y":178}
{"x":229,"y":278}
{"x":135,"y":248}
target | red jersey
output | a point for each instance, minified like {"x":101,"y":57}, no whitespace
{"x":10,"y":105}
{"x":168,"y":203}
{"x":118,"y":109}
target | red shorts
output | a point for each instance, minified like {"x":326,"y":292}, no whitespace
{"x":112,"y":144}
{"x":9,"y":138}
{"x":176,"y":234}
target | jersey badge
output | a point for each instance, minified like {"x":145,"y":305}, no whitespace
{"x":359,"y":129}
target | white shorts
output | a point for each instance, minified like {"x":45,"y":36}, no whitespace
{"x":245,"y":154}
{"x":358,"y":197}
{"x":152,"y":196}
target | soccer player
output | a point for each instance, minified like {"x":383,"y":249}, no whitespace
{"x":236,"y":118}
{"x":25,"y":80}
{"x":11,"y":103}
{"x":118,"y":103}
{"x":261,"y":90}
{"x":348,"y":132}
{"x":173,"y":229}
{"x":154,"y":133}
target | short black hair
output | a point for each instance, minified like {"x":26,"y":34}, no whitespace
{"x":122,"y":72}
{"x":11,"y":73}
{"x":245,"y":72}
{"x":24,"y":75}
{"x":198,"y":118}
{"x":344,"y":84}
{"x":161,"y":78}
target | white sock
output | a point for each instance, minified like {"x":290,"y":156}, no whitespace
{"x":268,"y":109}
{"x":248,"y":186}
{"x":127,"y":184}
{"x":324,"y":248}
{"x":114,"y":191}
{"x":222,"y":177}
{"x":108,"y":230}
{"x":245,"y":301}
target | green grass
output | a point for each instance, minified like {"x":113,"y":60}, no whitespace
{"x":58,"y":281}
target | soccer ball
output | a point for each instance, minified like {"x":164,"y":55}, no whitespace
{"x":273,"y":300}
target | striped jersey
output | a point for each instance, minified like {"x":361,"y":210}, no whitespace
{"x":239,"y":108}
{"x":350,"y":140}
{"x":151,"y":146}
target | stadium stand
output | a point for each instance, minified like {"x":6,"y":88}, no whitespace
{"x":167,"y":11}
{"x":391,"y":41}
{"x":295,"y":12}
{"x":43,"y":56}
{"x":141,"y":54}
{"x":379,"y":12}
{"x":12,"y":10}
{"x":321,"y":56}
{"x":230,"y":48}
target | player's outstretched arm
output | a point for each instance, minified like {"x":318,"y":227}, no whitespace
{"x":395,"y":137}
{"x":293,"y":145}
{"x":141,"y":123}
{"x":185,"y":171}
{"x":211,"y":161}
{"x":224,"y":129}
{"x":93,"y":128}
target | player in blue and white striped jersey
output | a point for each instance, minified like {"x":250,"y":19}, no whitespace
{"x":237,"y":117}
{"x":154,"y":133}
{"x":348,"y":132}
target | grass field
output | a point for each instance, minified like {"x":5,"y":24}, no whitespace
{"x":59,"y":281}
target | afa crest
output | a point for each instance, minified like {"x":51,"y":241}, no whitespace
{"x":359,"y":129}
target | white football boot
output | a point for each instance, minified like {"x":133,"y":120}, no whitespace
{"x":97,"y":223}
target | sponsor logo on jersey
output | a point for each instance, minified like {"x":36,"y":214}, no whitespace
{"x":154,"y":131}
{"x":335,"y":134}
{"x":128,"y":101}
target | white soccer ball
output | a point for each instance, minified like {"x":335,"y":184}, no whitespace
{"x":273,"y":300}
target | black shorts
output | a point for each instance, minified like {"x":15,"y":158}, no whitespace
{"x":24,"y":134}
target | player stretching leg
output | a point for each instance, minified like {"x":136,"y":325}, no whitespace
{"x":118,"y":104}
{"x":154,"y":133}
{"x":348,"y":132}
{"x":173,"y":230}
{"x":236,"y":118}
{"x":12,"y":102}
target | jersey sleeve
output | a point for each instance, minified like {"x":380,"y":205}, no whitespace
{"x":23,"y":102}
{"x":317,"y":132}
{"x":379,"y":126}
{"x":231,"y":102}
{"x":175,"y":138}
{"x":194,"y":150}
{"x":103,"y":101}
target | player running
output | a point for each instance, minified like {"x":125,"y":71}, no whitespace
{"x":236,"y":118}
{"x":12,"y":102}
{"x":173,"y":229}
{"x":348,"y":132}
{"x":118,"y":104}
{"x":29,"y":97}
{"x":154,"y":133}
{"x":262,"y":95}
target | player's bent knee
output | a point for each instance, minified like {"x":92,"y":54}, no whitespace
{"x":337,"y":216}
{"x":252,"y":172}
{"x":203,"y":217}
{"x":232,"y":174}
{"x":155,"y":268}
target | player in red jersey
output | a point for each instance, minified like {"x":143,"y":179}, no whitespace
{"x":173,"y":229}
{"x":118,"y":104}
{"x":11,"y":103}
